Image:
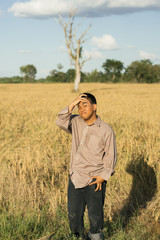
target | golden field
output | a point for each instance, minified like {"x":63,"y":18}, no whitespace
{"x":35,"y":153}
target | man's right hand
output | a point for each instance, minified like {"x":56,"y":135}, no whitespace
{"x":79,"y":99}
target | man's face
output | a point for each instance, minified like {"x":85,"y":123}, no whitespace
{"x":86,"y":109}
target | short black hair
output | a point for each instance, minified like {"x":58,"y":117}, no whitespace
{"x":90,"y":97}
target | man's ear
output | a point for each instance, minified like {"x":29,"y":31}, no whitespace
{"x":94,"y":107}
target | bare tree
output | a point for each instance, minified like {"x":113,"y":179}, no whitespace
{"x":74,"y":45}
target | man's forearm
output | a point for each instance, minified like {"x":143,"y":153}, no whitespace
{"x":70,"y":107}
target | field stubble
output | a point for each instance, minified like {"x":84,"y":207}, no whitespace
{"x":35,"y":153}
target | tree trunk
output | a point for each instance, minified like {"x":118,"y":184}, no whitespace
{"x":113,"y":78}
{"x":77,"y":79}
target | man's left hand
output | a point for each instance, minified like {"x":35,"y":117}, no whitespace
{"x":98,"y":181}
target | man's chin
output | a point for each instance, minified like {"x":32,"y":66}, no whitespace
{"x":85,"y":118}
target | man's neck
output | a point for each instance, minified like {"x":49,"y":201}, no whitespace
{"x":91,"y":120}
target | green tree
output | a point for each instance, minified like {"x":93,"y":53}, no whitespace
{"x":56,"y":76}
{"x":156,"y":70}
{"x":29,"y":72}
{"x":70,"y":75}
{"x":142,"y":71}
{"x":113,"y":69}
{"x":59,"y":66}
{"x":95,"y":76}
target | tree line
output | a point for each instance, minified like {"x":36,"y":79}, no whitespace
{"x":143,"y":71}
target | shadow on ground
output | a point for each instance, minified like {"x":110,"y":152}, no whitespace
{"x":143,"y":189}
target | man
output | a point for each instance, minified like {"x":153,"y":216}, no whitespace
{"x":93,"y":158}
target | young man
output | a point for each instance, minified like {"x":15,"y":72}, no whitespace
{"x":93,"y":158}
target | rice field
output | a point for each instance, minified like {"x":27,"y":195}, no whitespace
{"x":35,"y":155}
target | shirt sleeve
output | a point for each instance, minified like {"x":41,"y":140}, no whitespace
{"x":64,"y":120}
{"x":110,"y":157}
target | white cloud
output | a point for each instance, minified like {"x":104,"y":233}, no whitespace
{"x":146,"y":55}
{"x":130,"y":46}
{"x":132,"y":3}
{"x":94,"y":8}
{"x":106,"y":42}
{"x":62,"y":48}
{"x":25,"y":52}
{"x":94,"y":54}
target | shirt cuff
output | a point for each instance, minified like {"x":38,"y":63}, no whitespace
{"x":64,"y":111}
{"x":106,"y":174}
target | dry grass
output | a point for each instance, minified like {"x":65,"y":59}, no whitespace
{"x":34,"y":153}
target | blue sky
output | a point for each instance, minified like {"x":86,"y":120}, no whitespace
{"x":125,"y":30}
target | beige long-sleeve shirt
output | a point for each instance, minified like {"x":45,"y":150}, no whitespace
{"x":93,"y":150}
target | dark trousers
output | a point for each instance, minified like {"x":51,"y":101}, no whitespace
{"x":78,"y":199}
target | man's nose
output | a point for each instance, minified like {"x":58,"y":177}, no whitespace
{"x":81,"y":110}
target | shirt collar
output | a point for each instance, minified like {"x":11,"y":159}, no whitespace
{"x":97,"y":122}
